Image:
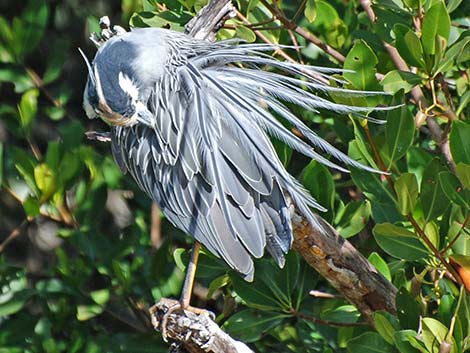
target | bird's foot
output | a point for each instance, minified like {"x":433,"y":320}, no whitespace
{"x":167,"y":308}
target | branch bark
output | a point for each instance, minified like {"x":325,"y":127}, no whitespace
{"x":345,"y":268}
{"x":194,"y":333}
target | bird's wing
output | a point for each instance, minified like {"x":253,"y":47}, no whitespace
{"x":205,"y":172}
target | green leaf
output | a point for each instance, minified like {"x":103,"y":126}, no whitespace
{"x":55,"y":61}
{"x":217,"y":283}
{"x":369,"y":342}
{"x":328,"y":22}
{"x":433,"y":200}
{"x":45,"y":180}
{"x":100,"y":296}
{"x":408,"y":310}
{"x":433,"y":333}
{"x":31,"y":206}
{"x":167,"y":19}
{"x":380,"y":264}
{"x":463,"y":172}
{"x":250,"y":325}
{"x":25,"y":165}
{"x":341,"y":314}
{"x":409,"y":46}
{"x":29,"y":29}
{"x":399,"y":130}
{"x":16,"y":75}
{"x":28,"y":108}
{"x":396,"y":80}
{"x":245,"y":33}
{"x":310,"y":11}
{"x":14,"y":302}
{"x":457,"y":53}
{"x":386,"y":325}
{"x":283,"y":151}
{"x":352,"y":218}
{"x":399,"y":242}
{"x":454,"y":191}
{"x":319,"y":181}
{"x":407,"y":190}
{"x":458,"y":139}
{"x":403,"y":339}
{"x":87,"y":312}
{"x":436,"y":23}
{"x":361,"y":64}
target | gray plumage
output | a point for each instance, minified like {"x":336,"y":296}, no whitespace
{"x":190,"y":125}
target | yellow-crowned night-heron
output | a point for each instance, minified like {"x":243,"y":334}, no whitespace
{"x":190,"y":121}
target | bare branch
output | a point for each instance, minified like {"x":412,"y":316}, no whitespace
{"x":196,"y":332}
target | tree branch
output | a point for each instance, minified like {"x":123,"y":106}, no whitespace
{"x":195,"y":333}
{"x":345,"y":268}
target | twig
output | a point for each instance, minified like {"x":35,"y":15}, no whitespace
{"x":411,"y":219}
{"x":417,"y":94}
{"x":15,"y":233}
{"x":304,"y":33}
{"x":326,"y":322}
{"x":462,"y":227}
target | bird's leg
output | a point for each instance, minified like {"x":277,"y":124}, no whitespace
{"x":190,"y":275}
{"x":186,"y":291}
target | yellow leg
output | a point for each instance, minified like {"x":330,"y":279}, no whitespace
{"x":190,"y":275}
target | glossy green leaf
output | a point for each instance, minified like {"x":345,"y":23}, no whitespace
{"x":380,"y":264}
{"x":433,"y":200}
{"x":434,"y":332}
{"x":397,"y":80}
{"x":369,"y":342}
{"x":361,"y":62}
{"x":436,"y":23}
{"x":28,"y":108}
{"x":454,"y":190}
{"x":399,"y":242}
{"x":386,"y":325}
{"x":341,"y":314}
{"x":45,"y":180}
{"x":352,"y":218}
{"x":399,"y":130}
{"x":407,"y":190}
{"x":409,"y":46}
{"x":458,"y":139}
{"x":250,"y":325}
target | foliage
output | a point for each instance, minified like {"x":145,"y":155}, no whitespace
{"x":78,"y":269}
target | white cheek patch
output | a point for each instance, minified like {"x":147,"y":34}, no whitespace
{"x":128,"y":87}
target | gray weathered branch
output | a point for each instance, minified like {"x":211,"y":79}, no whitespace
{"x":194,"y":333}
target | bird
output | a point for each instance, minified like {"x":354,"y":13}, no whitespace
{"x":191,"y":122}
